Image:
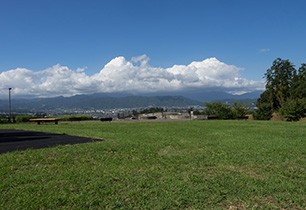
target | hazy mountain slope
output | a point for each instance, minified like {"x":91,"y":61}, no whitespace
{"x":97,"y":102}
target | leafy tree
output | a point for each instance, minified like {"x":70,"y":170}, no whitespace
{"x":217,"y":109}
{"x":151,"y":110}
{"x":279,"y":79}
{"x":293,"y":109}
{"x":263,"y":112}
{"x":239,"y":109}
{"x":285,"y":91}
{"x":298,"y":87}
{"x":195,"y":111}
{"x":264,"y":98}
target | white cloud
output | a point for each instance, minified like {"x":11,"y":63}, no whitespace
{"x":122,"y":75}
{"x":265,"y":50}
{"x":81,"y":69}
{"x":143,"y":59}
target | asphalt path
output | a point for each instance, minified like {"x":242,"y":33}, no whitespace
{"x":11,"y":140}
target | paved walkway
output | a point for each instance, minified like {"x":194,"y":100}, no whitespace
{"x":11,"y":140}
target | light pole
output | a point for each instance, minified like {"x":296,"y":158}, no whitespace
{"x":9,"y":119}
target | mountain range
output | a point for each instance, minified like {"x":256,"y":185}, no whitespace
{"x":119,"y":100}
{"x":96,"y":102}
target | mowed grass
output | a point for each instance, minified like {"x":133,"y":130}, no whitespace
{"x":161,"y":165}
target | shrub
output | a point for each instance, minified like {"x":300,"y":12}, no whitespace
{"x":3,"y":120}
{"x":217,"y":109}
{"x":152,"y":110}
{"x":263,"y":112}
{"x":293,"y":110}
{"x":23,"y":118}
{"x":77,"y":118}
{"x":239,"y":110}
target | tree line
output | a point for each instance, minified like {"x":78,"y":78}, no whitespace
{"x":285,"y":92}
{"x":285,"y":95}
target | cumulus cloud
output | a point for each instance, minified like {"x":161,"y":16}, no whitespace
{"x":134,"y":76}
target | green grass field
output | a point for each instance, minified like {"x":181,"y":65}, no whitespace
{"x":161,"y":165}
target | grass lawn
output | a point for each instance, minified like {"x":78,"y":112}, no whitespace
{"x":161,"y":165}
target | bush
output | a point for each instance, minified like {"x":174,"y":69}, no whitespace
{"x":195,"y":111}
{"x":77,"y":118}
{"x":293,"y":110}
{"x":152,"y":110}
{"x":263,"y":112}
{"x":239,"y":110}
{"x":3,"y":120}
{"x":23,"y":118}
{"x":217,"y":109}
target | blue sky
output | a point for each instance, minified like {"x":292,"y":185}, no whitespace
{"x":37,"y":35}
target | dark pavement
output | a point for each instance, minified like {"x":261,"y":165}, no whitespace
{"x":11,"y":140}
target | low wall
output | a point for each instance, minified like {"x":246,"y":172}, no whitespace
{"x":171,"y":116}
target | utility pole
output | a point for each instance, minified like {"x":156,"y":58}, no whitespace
{"x":9,"y":119}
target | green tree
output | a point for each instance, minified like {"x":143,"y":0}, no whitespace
{"x":151,"y":110}
{"x":195,"y":111}
{"x":298,"y":87}
{"x":265,"y":98}
{"x":239,"y":109}
{"x":220,"y":110}
{"x":279,"y":79}
{"x":263,"y":112}
{"x":293,"y":109}
{"x":285,"y":91}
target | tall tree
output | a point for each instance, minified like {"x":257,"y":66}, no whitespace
{"x":298,"y":88}
{"x":285,"y":92}
{"x":279,"y":79}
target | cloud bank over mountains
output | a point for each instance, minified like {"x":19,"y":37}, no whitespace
{"x":135,"y":77}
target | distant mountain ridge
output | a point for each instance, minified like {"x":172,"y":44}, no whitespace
{"x":126,"y":100}
{"x":97,"y":101}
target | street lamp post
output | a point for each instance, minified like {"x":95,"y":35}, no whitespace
{"x":9,"y":119}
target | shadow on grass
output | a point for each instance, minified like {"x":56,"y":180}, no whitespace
{"x":11,"y":140}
